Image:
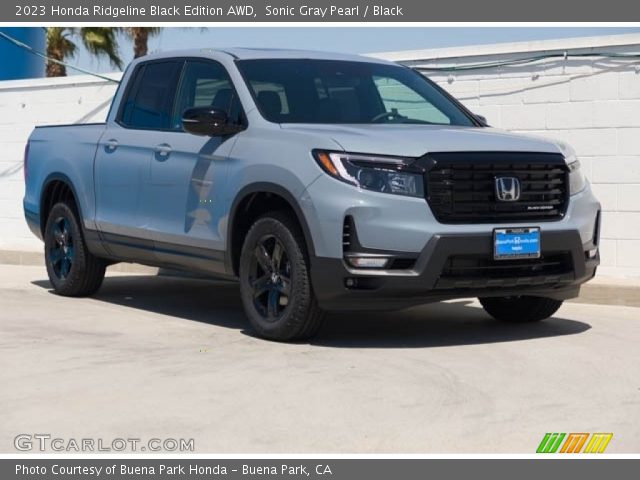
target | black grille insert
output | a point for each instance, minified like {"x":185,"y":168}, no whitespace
{"x":461,"y":187}
{"x":467,"y":266}
{"x":479,"y":271}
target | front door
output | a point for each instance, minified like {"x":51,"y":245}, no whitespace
{"x":188,"y":173}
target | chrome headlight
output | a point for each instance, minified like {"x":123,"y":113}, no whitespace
{"x":376,"y":173}
{"x":577,"y":180}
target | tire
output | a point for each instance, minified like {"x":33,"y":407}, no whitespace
{"x":73,"y":271}
{"x":275,"y":283}
{"x":520,"y":309}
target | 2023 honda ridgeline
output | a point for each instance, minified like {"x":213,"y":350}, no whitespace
{"x":320,"y":181}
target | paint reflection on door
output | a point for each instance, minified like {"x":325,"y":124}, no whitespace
{"x":188,"y":172}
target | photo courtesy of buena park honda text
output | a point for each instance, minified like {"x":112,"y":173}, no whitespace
{"x":324,"y":239}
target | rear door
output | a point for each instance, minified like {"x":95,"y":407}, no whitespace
{"x":188,"y":174}
{"x":123,"y":160}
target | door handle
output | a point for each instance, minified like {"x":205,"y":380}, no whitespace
{"x":163,"y":151}
{"x":111,"y":145}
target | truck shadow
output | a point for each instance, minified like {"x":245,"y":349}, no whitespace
{"x":435,"y":325}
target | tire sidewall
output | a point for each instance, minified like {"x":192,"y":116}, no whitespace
{"x":63,"y":210}
{"x":521,"y":309}
{"x":300,"y":297}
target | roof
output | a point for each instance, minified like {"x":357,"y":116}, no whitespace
{"x":266,"y":53}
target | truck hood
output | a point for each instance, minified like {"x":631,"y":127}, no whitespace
{"x":416,"y":140}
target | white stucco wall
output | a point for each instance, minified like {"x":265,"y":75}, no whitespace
{"x":593,"y":103}
{"x":23,"y":105}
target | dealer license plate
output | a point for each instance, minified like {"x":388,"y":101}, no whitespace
{"x":513,"y":243}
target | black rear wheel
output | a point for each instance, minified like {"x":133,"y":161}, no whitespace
{"x":274,"y":280}
{"x":73,"y":271}
{"x":520,"y":309}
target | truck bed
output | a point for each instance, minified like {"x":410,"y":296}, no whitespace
{"x":63,"y":152}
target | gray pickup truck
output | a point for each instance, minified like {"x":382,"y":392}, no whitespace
{"x":320,"y":181}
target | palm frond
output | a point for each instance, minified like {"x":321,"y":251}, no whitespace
{"x":102,"y":42}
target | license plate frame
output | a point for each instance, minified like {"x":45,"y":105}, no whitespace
{"x":516,"y":243}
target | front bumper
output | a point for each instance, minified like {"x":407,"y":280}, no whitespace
{"x":405,"y":226}
{"x":338,"y":287}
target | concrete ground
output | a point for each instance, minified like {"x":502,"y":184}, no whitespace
{"x":172,"y":357}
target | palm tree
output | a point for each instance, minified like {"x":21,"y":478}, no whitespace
{"x":140,"y":37}
{"x":99,"y":41}
{"x":59,"y":47}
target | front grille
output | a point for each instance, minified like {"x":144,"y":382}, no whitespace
{"x":461,"y":186}
{"x":481,"y":271}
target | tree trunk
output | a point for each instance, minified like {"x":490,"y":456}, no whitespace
{"x":140,"y":40}
{"x":55,"y":69}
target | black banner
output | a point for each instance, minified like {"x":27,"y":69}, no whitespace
{"x":318,"y":469}
{"x":159,"y":11}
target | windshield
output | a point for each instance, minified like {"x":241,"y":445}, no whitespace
{"x":329,"y":91}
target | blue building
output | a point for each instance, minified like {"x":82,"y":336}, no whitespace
{"x":16,"y":62}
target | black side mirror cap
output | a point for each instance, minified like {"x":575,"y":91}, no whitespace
{"x":208,"y":121}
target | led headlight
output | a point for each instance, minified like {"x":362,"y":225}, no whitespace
{"x":370,"y":172}
{"x":577,"y":180}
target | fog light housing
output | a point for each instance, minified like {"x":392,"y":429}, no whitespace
{"x":374,"y":261}
{"x":592,"y":253}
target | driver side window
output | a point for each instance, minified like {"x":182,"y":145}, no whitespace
{"x":206,"y":84}
{"x":407,"y":102}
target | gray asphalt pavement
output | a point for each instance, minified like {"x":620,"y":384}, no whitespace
{"x":172,"y":357}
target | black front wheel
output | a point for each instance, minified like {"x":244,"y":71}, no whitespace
{"x":520,"y":309}
{"x":73,"y":271}
{"x":274,"y":280}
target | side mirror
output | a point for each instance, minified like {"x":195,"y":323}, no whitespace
{"x":482,"y":119}
{"x":208,"y":121}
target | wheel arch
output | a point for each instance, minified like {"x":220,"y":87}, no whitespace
{"x":56,"y":187}
{"x":245,"y":202}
